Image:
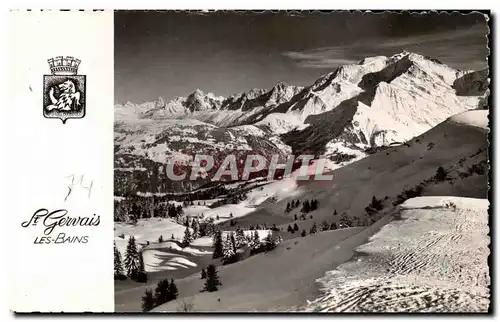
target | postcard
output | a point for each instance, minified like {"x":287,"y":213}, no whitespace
{"x":249,"y":162}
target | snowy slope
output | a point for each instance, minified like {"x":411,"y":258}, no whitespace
{"x":478,"y":118}
{"x":455,"y":144}
{"x":157,"y":256}
{"x":435,"y":259}
{"x":458,"y":147}
{"x":147,"y":230}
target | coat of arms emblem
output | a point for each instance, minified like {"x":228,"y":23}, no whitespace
{"x":64,"y":90}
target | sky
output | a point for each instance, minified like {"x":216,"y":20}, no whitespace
{"x":170,"y":54}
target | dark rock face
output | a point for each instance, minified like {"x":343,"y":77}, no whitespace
{"x":472,"y":84}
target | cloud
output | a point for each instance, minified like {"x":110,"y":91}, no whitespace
{"x":463,"y":48}
{"x":321,"y":57}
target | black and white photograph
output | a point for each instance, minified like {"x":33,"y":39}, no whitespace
{"x":301,"y":161}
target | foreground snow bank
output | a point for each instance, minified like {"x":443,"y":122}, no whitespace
{"x":432,"y":260}
{"x":158,"y":260}
{"x":146,"y":230}
{"x":156,"y":255}
{"x":445,"y":202}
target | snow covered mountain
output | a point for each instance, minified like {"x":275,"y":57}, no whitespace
{"x":377,"y":102}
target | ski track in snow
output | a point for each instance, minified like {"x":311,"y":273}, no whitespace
{"x":433,"y":260}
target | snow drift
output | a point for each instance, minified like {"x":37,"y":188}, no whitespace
{"x":434,"y":259}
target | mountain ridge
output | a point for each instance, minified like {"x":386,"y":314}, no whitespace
{"x":377,"y":102}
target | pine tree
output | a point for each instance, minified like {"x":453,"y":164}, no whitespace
{"x":295,"y":227}
{"x":161,"y":292}
{"x":325,"y":225}
{"x":303,"y":234}
{"x":376,"y":204}
{"x":305,"y":207}
{"x":160,"y":240}
{"x":345,"y":221}
{"x":173,"y":237}
{"x":255,"y":243}
{"x":249,"y":238}
{"x":211,"y":228}
{"x":269,"y":243}
{"x":295,"y":217}
{"x":187,"y":238}
{"x":335,"y":212}
{"x":132,"y":258}
{"x":228,"y":249}
{"x":314,"y":229}
{"x":142,"y":276}
{"x":202,"y":230}
{"x":172,"y":290}
{"x":232,"y":239}
{"x":217,"y":244}
{"x":186,"y":222}
{"x":441,"y":174}
{"x":290,"y":229}
{"x":240,"y":238}
{"x":314,"y":205}
{"x":172,"y":212}
{"x":195,"y":225}
{"x":203,"y":274}
{"x":212,"y":282}
{"x":287,"y":207}
{"x":148,"y":300}
{"x":118,"y":264}
{"x":333,"y":226}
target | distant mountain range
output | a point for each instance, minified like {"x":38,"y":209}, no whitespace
{"x":379,"y":101}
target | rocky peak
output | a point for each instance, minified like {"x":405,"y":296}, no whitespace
{"x":160,"y":102}
{"x":199,"y":101}
{"x":280,"y":85}
{"x":195,"y":101}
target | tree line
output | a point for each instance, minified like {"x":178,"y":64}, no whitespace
{"x":307,"y":206}
{"x":132,"y":266}
{"x":227,"y":248}
{"x":165,"y":292}
{"x":144,"y":207}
